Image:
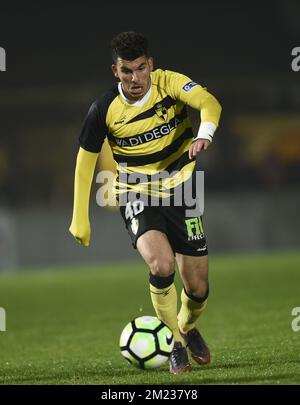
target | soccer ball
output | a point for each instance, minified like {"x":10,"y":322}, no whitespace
{"x":146,"y":342}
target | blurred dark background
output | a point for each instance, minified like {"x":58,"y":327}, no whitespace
{"x":58,"y":62}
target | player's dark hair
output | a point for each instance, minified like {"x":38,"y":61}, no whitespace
{"x":129,"y":46}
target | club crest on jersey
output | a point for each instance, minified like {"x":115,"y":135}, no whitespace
{"x":187,"y":87}
{"x":161,"y":111}
{"x":120,"y":121}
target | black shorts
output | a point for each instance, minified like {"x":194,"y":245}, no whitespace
{"x":185,"y":234}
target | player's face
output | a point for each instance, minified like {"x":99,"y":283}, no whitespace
{"x":134,"y":76}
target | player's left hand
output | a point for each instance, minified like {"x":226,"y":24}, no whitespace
{"x":197,"y":146}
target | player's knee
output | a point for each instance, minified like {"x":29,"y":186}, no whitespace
{"x":162,"y":266}
{"x":199,"y":291}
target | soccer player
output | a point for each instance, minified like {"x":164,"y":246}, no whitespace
{"x":144,"y":118}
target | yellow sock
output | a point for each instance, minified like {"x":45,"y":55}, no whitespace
{"x":164,"y":301}
{"x":189,"y":312}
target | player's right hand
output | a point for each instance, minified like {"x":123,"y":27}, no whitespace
{"x":197,"y":146}
{"x":81,"y":234}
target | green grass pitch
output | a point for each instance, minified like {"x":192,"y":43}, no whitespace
{"x":63,"y":326}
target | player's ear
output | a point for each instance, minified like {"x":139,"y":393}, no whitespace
{"x":115,"y":70}
{"x":150,"y":61}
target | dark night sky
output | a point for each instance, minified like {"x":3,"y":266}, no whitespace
{"x":58,"y":62}
{"x":69,"y":42}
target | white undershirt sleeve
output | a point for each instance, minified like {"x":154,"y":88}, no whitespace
{"x":206,"y":131}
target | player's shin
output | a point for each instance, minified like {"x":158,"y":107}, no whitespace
{"x":191,"y":309}
{"x":164,"y":300}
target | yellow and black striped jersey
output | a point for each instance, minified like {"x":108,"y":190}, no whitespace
{"x":152,"y":135}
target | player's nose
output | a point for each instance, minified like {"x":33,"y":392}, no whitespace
{"x":134,"y":77}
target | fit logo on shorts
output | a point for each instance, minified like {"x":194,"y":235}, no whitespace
{"x":194,"y":228}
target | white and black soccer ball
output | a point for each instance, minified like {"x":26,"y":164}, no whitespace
{"x":146,"y":342}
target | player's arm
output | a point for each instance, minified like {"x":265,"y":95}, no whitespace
{"x":84,"y":173}
{"x":210,"y":111}
{"x":199,"y":98}
{"x":90,"y":140}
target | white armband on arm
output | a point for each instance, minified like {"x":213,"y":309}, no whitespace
{"x":206,"y":131}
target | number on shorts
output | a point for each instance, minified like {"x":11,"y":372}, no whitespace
{"x":133,"y":208}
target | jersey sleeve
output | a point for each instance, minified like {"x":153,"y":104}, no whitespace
{"x":93,"y":130}
{"x":182,"y":88}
